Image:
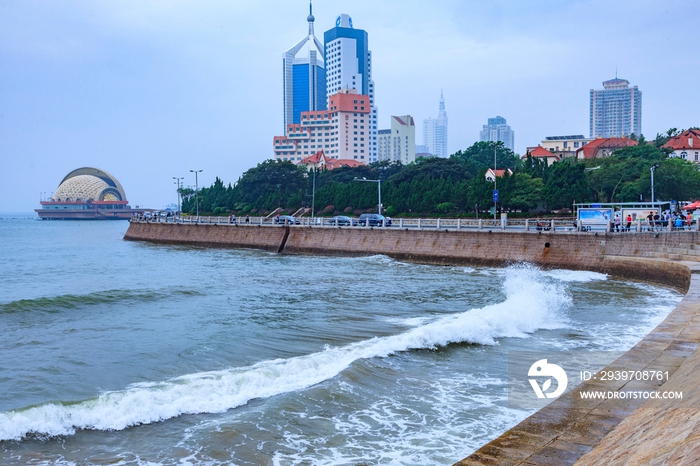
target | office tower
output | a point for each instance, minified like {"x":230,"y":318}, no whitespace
{"x":349,"y":66}
{"x":498,"y":130}
{"x":304,"y":77}
{"x":435,"y":132}
{"x":616,"y":110}
{"x":398,"y":144}
{"x":340,"y":131}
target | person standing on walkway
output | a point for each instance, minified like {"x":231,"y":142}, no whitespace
{"x":616,"y":224}
{"x":629,"y":222}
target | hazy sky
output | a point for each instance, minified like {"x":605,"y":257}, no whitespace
{"x":149,"y":89}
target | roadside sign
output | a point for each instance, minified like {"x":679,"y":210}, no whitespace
{"x":495,"y":195}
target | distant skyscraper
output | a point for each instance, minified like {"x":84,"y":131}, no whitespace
{"x":616,"y":110}
{"x":349,"y":66}
{"x":304,"y":77}
{"x":398,"y":144}
{"x":435,"y":132}
{"x":498,"y":130}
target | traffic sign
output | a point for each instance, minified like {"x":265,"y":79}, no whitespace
{"x":495,"y":195}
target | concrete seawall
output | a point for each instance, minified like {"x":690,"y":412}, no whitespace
{"x":608,"y":433}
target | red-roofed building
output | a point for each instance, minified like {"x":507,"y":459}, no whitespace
{"x":543,"y":154}
{"x":603,"y":147}
{"x":491,"y":175}
{"x":686,"y":145}
{"x":320,"y":161}
{"x":341,"y":132}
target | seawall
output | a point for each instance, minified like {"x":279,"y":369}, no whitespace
{"x":608,"y":432}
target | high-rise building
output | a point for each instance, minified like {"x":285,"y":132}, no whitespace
{"x":616,"y":110}
{"x":498,"y":130}
{"x":304,"y":77}
{"x":398,"y":144}
{"x":340,"y":132}
{"x":435,"y":132}
{"x":349,"y":66}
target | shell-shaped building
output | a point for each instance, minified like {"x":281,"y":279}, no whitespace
{"x":87,"y":193}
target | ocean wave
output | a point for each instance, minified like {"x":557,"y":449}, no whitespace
{"x":73,"y":301}
{"x":531,"y":304}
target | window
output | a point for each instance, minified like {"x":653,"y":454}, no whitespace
{"x":575,"y":145}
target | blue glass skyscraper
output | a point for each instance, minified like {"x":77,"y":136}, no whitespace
{"x":304,"y":77}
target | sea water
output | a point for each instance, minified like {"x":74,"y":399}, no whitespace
{"x":116,"y":352}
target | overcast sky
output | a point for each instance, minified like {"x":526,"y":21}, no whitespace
{"x":149,"y":89}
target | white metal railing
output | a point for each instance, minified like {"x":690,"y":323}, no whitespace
{"x":532,"y":225}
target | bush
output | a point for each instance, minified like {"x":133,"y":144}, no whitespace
{"x":391,"y":211}
{"x":329,"y":209}
{"x":445,"y":207}
{"x":348,"y":210}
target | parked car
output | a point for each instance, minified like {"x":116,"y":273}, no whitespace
{"x":280,"y":219}
{"x":374,"y":220}
{"x":342,"y":220}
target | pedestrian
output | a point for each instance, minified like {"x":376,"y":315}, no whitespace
{"x":657,"y":221}
{"x":629,"y":222}
{"x":616,"y":224}
{"x":247,"y":219}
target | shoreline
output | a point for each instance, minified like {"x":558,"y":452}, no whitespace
{"x":559,"y":433}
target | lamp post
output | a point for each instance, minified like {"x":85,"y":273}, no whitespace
{"x":653,"y":169}
{"x":313,"y":196}
{"x":196,"y":189}
{"x":177,"y":180}
{"x":379,"y":190}
{"x":495,"y":177}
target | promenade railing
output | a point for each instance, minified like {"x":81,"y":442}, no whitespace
{"x":531,"y":225}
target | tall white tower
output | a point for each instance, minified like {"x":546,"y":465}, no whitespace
{"x":435,"y":131}
{"x":349,"y":66}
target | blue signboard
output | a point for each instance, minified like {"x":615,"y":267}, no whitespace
{"x":495,"y":195}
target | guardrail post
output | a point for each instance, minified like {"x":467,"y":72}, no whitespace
{"x":419,"y":223}
{"x":638,"y":227}
{"x":459,"y":223}
{"x":503,"y":223}
{"x":697,"y":225}
{"x":551,"y":228}
{"x":438,"y":224}
{"x":527,"y":224}
{"x":607,"y":227}
{"x":401,"y":223}
{"x":670,"y":224}
{"x":579,"y":224}
{"x":481,"y":224}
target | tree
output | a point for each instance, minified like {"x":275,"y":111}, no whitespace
{"x":270,"y":185}
{"x":480,"y":156}
{"x":565,"y":182}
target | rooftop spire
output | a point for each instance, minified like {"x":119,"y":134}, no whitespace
{"x":311,"y":19}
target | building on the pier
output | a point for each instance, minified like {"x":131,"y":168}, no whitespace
{"x":87,"y":193}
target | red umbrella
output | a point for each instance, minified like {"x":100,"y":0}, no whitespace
{"x":692,"y":206}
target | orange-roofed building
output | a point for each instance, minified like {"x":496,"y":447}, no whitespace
{"x":686,"y":145}
{"x":543,"y":154}
{"x":341,"y":132}
{"x":603,"y":147}
{"x":320,"y":161}
{"x":492,"y":174}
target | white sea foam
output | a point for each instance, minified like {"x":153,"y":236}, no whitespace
{"x":575,"y":275}
{"x":531,"y":304}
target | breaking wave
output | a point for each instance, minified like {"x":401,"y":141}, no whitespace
{"x":532,"y":302}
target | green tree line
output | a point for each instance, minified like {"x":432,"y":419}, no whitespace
{"x":456,"y":185}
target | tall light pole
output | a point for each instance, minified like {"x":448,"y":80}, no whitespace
{"x":196,"y":189}
{"x":313,"y":195}
{"x":495,"y":177}
{"x":177,"y":180}
{"x":379,"y":188}
{"x":653,"y":169}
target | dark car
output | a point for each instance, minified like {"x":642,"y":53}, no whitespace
{"x":374,"y":220}
{"x":342,"y":220}
{"x":280,"y":219}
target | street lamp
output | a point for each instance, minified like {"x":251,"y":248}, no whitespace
{"x":196,"y":189}
{"x":177,"y":180}
{"x":313,"y":196}
{"x":653,"y":169}
{"x":379,"y":189}
{"x":495,"y":176}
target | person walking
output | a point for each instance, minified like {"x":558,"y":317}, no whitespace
{"x":629,"y":222}
{"x":616,"y":222}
